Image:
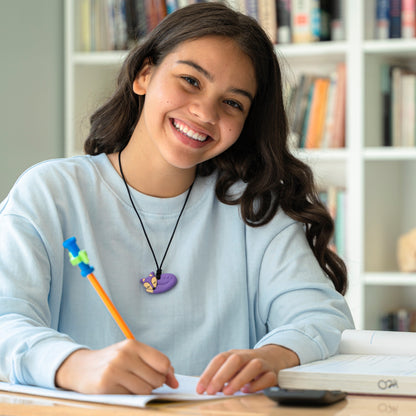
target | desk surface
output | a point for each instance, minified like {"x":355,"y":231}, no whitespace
{"x":19,"y":404}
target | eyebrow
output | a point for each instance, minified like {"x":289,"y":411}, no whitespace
{"x":210,"y":77}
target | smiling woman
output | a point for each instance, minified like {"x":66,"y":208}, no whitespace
{"x":187,"y":173}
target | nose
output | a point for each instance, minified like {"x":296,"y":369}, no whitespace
{"x":206,"y":110}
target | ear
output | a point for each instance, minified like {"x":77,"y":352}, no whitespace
{"x":143,"y":78}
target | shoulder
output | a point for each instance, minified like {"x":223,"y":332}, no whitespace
{"x":52,"y":179}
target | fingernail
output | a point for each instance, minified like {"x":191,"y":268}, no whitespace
{"x":200,"y":389}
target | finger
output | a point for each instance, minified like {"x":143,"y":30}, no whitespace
{"x":227,"y":372}
{"x":171,"y":380}
{"x":154,"y":359}
{"x":208,"y":374}
{"x":266,"y":380}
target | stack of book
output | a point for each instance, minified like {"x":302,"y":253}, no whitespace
{"x":316,"y":110}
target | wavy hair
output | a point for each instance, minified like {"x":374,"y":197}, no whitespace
{"x":260,"y":157}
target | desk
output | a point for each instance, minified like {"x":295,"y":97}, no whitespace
{"x":24,"y":405}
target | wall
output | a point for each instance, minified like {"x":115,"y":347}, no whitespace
{"x":31,"y":85}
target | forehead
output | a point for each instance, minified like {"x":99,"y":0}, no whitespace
{"x":216,"y":54}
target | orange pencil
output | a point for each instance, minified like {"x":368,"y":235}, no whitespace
{"x":79,"y":258}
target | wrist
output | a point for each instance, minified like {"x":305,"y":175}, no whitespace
{"x":280,"y":357}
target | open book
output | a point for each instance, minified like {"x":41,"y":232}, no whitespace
{"x":369,"y":362}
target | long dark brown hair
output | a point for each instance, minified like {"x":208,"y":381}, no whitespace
{"x":260,"y":157}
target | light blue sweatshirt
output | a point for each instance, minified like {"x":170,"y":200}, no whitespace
{"x":238,"y":286}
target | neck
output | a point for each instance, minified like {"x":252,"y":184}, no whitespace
{"x":149,"y":179}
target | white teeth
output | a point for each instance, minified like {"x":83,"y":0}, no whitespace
{"x":189,"y":132}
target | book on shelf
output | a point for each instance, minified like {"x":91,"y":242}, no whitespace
{"x":399,"y":320}
{"x":301,"y":12}
{"x":337,"y":20}
{"x":368,"y":362}
{"x":334,"y":198}
{"x":267,"y":18}
{"x":395,"y":26}
{"x":408,"y":18}
{"x":382,"y":19}
{"x":317,"y":110}
{"x":398,"y":93}
{"x":283,"y":21}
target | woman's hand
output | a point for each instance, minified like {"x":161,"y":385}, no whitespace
{"x":245,"y":370}
{"x":126,"y":367}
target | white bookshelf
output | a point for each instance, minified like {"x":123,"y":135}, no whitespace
{"x":380,"y":181}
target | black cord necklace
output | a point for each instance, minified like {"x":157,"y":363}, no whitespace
{"x":156,"y":283}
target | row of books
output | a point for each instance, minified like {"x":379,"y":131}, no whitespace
{"x":399,"y":320}
{"x":117,"y":24}
{"x":399,"y":105}
{"x":335,"y":199}
{"x":395,"y":19}
{"x":316,"y":110}
{"x":297,"y":21}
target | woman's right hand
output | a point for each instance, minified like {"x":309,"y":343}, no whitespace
{"x":128,"y":367}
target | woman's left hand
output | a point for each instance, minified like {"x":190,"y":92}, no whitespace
{"x":245,"y":370}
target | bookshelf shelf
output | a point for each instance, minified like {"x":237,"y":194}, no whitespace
{"x":390,"y":279}
{"x":380,"y":182}
{"x":390,"y":153}
{"x":99,"y":58}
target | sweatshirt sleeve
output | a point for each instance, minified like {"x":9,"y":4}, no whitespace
{"x":31,"y":348}
{"x":297,"y":302}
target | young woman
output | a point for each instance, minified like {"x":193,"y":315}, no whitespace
{"x":204,"y":230}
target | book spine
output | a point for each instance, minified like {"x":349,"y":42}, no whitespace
{"x":283,"y":21}
{"x":267,"y":17}
{"x":386,"y":104}
{"x":337,"y":20}
{"x":382,"y":19}
{"x":251,"y":8}
{"x":395,"y":26}
{"x":301,"y":21}
{"x":408,"y":18}
{"x":316,"y":20}
{"x":325,"y":20}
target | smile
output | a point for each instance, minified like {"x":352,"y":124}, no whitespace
{"x":187,"y":131}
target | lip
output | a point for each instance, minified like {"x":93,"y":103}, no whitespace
{"x":186,"y":139}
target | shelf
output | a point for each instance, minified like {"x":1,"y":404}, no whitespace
{"x":390,"y":279}
{"x":390,"y":153}
{"x":99,"y":58}
{"x":391,"y":47}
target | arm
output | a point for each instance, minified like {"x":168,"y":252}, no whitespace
{"x":298,"y":312}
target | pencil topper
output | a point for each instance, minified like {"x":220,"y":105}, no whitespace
{"x":78,"y":257}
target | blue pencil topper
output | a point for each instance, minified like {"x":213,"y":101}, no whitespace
{"x":78,"y":257}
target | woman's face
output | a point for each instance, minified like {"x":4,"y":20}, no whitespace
{"x":196,"y":101}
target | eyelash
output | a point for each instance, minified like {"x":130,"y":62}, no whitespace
{"x":195,"y":83}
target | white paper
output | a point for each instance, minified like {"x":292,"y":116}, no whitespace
{"x":378,"y":342}
{"x":185,"y":392}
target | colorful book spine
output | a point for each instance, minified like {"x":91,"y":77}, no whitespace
{"x":408,"y":18}
{"x":382,"y":19}
{"x":301,"y":21}
{"x":395,"y":26}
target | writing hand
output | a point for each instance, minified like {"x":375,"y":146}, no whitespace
{"x":128,"y":367}
{"x":245,"y":370}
